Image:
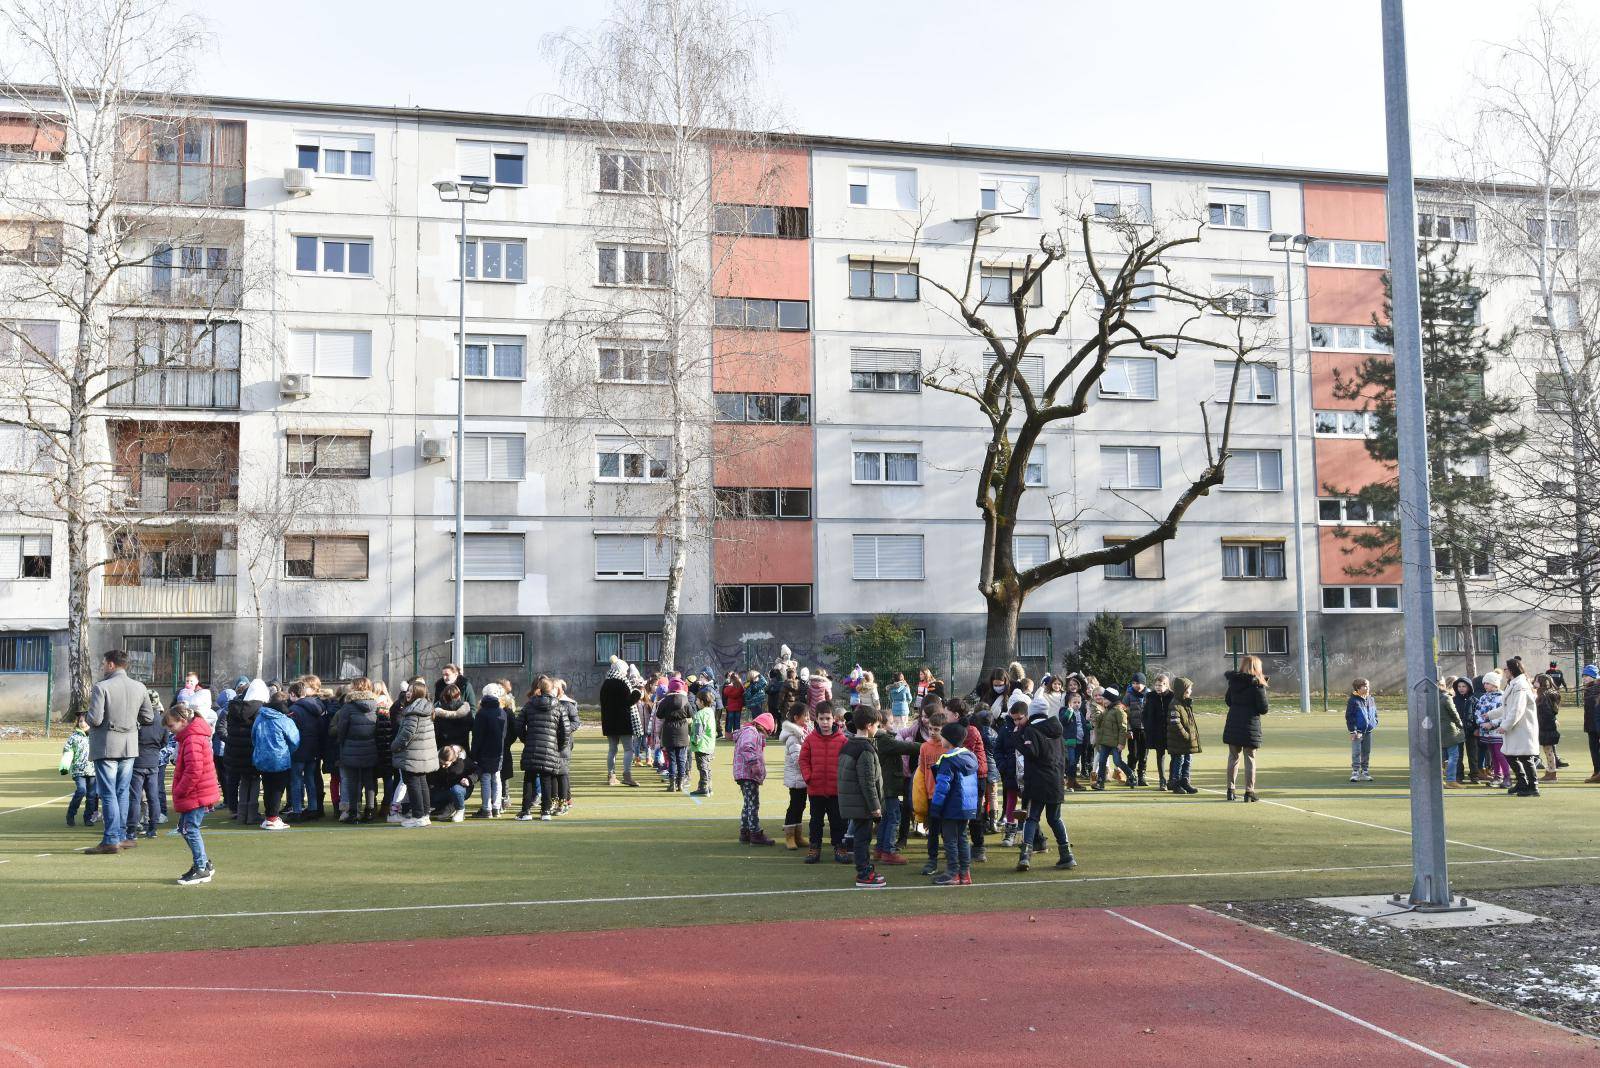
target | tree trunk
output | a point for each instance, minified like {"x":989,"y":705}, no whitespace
{"x":261,"y":634}
{"x":1469,"y":640}
{"x":80,"y":658}
{"x":1000,"y":631}
{"x":680,"y":561}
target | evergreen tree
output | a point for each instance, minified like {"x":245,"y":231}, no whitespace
{"x":880,"y":647}
{"x":1467,"y":428}
{"x":1105,"y":652}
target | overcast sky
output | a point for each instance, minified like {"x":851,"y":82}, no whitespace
{"x":1280,"y":81}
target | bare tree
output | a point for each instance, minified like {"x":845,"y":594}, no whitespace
{"x":669,"y":97}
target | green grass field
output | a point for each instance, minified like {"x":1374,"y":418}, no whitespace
{"x":638,"y":858}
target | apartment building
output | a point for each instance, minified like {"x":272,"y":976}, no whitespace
{"x":323,"y":379}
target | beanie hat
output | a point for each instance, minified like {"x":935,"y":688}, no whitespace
{"x":954,"y":733}
{"x":764,"y":721}
{"x":1492,"y":679}
{"x":1591,"y":672}
{"x":1111,"y":695}
{"x":493,"y":689}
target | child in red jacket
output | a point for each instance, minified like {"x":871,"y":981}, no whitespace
{"x":194,"y":786}
{"x":819,"y":766}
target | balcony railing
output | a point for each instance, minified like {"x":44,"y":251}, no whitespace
{"x":160,"y":496}
{"x":156,"y":285}
{"x":171,"y":597}
{"x":173,"y":387}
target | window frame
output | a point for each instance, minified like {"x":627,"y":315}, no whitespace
{"x":323,"y":241}
{"x":894,"y":269}
{"x":1342,"y":416}
{"x":491,"y":344}
{"x":1130,"y":395}
{"x":1239,"y":455}
{"x":724,"y":592}
{"x":1262,"y":303}
{"x":654,"y":178}
{"x":1249,"y":379}
{"x":721,"y":305}
{"x":789,"y":222}
{"x":632,"y":447}
{"x":1346,"y":595}
{"x":315,"y":138}
{"x":1268,"y":632}
{"x":866,"y":170}
{"x":1430,"y":213}
{"x":877,"y":554}
{"x":1013,"y":275}
{"x":619,"y":251}
{"x":339,"y":640}
{"x":1136,"y":637}
{"x":24,"y":654}
{"x":493,"y":178}
{"x":646,"y":357}
{"x":994,"y":181}
{"x":22,"y":555}
{"x":915,"y":374}
{"x":489,"y":638}
{"x":1217,"y":195}
{"x":488,"y":436}
{"x":884,"y":450}
{"x":646,"y":640}
{"x":316,"y":334}
{"x":1128,"y":570}
{"x":1265,"y":548}
{"x":1128,"y":467}
{"x":779,"y":402}
{"x":1329,"y":249}
{"x":315,"y":441}
{"x":1145,"y":203}
{"x":657,"y":568}
{"x":1344,"y":520}
{"x":314,"y":538}
{"x":476,"y":244}
{"x":1319,"y":336}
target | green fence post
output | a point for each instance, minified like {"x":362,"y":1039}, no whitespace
{"x":1144,"y":660}
{"x":416,"y":656}
{"x":1049,"y":652}
{"x":1324,"y":673}
{"x":952,"y":662}
{"x":1577,"y":666}
{"x":49,"y":683}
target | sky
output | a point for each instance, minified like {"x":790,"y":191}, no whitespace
{"x":1279,"y":81}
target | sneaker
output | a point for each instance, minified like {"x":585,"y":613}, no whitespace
{"x":150,"y":834}
{"x":841,"y":856}
{"x":930,"y":868}
{"x":1022,"y":862}
{"x":524,"y":817}
{"x":947,"y":879}
{"x":1355,"y":776}
{"x":395,"y":817}
{"x":195,"y":876}
{"x":274,"y":824}
{"x":871,"y":881}
{"x":966,"y":878}
{"x":481,"y":814}
{"x":699,"y":793}
{"x":545,"y":817}
{"x":813,"y":856}
{"x":162,"y":818}
{"x":980,"y":856}
{"x":1067,"y":860}
{"x":458,"y":815}
{"x":1366,"y":776}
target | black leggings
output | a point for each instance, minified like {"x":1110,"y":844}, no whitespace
{"x":274,"y":787}
{"x":358,"y":788}
{"x":829,"y":807}
{"x":1522,"y":769}
{"x":549,"y":790}
{"x":1594,"y":752}
{"x":419,"y":801}
{"x":797,"y":807}
{"x":1137,"y":751}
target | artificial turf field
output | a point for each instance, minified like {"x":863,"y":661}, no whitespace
{"x":645,"y":858}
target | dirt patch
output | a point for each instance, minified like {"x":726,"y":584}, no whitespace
{"x":1549,"y":969}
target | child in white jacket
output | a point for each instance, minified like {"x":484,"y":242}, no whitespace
{"x":793,"y":735}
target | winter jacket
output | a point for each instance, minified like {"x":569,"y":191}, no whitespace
{"x":703,"y":731}
{"x":1519,"y":719}
{"x":617,"y":699}
{"x":1548,"y":708}
{"x":1044,"y":759}
{"x":749,"y":755}
{"x":415,"y":747}
{"x":867,"y":694}
{"x":452,"y":722}
{"x":1487,"y":711}
{"x":900,"y":700}
{"x":448,"y":775}
{"x":75,"y":754}
{"x":194,"y":774}
{"x":567,"y":710}
{"x":673,"y":711}
{"x":1005,"y":752}
{"x":733,"y":697}
{"x":1111,"y":726}
{"x":1591,"y":707}
{"x":755,"y":695}
{"x":1134,"y":701}
{"x":383,"y":739}
{"x":860,"y":779}
{"x":819,"y":762}
{"x":307,"y":716}
{"x":1451,"y":731}
{"x":354,"y":733}
{"x":892,"y":754}
{"x":989,"y":737}
{"x":1157,"y":711}
{"x":462,"y":683}
{"x":974,"y":745}
{"x":152,"y":739}
{"x":542,"y":729}
{"x":1360,"y":715}
{"x":273,"y":738}
{"x":118,"y":707}
{"x":242,"y":715}
{"x":489,"y":734}
{"x":1247,"y":703}
{"x":1074,"y":725}
{"x":1183,"y":734}
{"x":928,"y":754}
{"x":955,"y":786}
{"x":793,"y":736}
{"x":819,"y":692}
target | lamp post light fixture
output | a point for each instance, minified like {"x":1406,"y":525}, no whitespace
{"x":1291,"y":245}
{"x":462,"y":193}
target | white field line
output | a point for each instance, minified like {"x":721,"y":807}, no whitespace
{"x":483,"y":1002}
{"x":561,"y":902}
{"x":1307,"y":998}
{"x":37,"y":804}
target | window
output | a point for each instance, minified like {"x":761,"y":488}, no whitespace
{"x":1471,"y":467}
{"x":495,"y":259}
{"x":1141,"y":294}
{"x":1151,"y":641}
{"x":1477,"y":562}
{"x":1252,"y":559}
{"x":30,"y":242}
{"x":190,"y":274}
{"x":493,"y":457}
{"x":1485,"y":638}
{"x":1128,"y":201}
{"x":325,"y":557}
{"x":1447,"y":222}
{"x":494,"y":556}
{"x":1130,"y":467}
{"x":886,"y":370}
{"x":886,"y":556}
{"x":333,"y":255}
{"x":1150,"y":563}
{"x":883,"y":187}
{"x":1033,"y":643}
{"x":1326,"y":424}
{"x":763,"y":503}
{"x":1016,"y":194}
{"x":630,"y":460}
{"x":1258,"y":382}
{"x":28,"y":340}
{"x":746,"y":313}
{"x":24,"y":556}
{"x":636,"y":647}
{"x":495,"y":357}
{"x":632,"y":172}
{"x":622,"y":265}
{"x":1562,"y":231}
{"x":331,"y":353}
{"x":331,"y":454}
{"x":25,"y":138}
{"x":162,"y":662}
{"x":1565,"y":306}
{"x":763,"y":407}
{"x":183,"y":161}
{"x":1030,"y":369}
{"x":24,"y":654}
{"x":998,"y":283}
{"x":1129,"y":378}
{"x":328,"y":656}
{"x":1244,"y":294}
{"x":752,"y":220}
{"x":872,"y":279}
{"x":1558,"y":566}
{"x":1239,"y":209}
{"x":492,"y":162}
{"x":895,"y":465}
{"x":175,"y":363}
{"x":765,"y":599}
{"x":334,"y":154}
{"x":631,"y":556}
{"x":1351,"y":510}
{"x":493,"y":650}
{"x":1030,"y":550}
{"x":1256,"y":641}
{"x":1361,"y":598}
{"x":1347,"y":338}
{"x":1549,"y":392}
{"x":1036,"y":473}
{"x":1348,"y":253}
{"x":917,"y":644}
{"x":638,"y":362}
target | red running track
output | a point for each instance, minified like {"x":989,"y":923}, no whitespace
{"x":1109,"y":987}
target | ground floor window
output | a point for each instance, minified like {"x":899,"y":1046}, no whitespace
{"x":1486,"y":638}
{"x":636,"y":647}
{"x":494,"y":649}
{"x":327,"y":656}
{"x":1151,"y":641}
{"x":1257,"y":641}
{"x":24,"y":654}
{"x":162,"y":662}
{"x":764,"y":599}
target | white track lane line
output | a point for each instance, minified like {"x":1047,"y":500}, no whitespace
{"x":1307,"y":998}
{"x":484,"y":1002}
{"x":37,"y":804}
{"x":736,"y":894}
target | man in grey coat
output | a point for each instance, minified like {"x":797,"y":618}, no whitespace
{"x":118,"y":707}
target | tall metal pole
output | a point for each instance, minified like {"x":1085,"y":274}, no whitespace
{"x":1430,"y":886}
{"x":1294,"y":464}
{"x":459,"y":646}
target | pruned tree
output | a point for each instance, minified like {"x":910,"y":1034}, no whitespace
{"x":1122,"y":262}
{"x":669,"y":97}
{"x":1470,"y":430}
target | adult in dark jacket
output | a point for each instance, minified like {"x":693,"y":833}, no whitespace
{"x":305,"y":774}
{"x":240,"y":754}
{"x":1157,"y":710}
{"x":452,"y":676}
{"x":541,"y":728}
{"x":1241,"y":731}
{"x":892,"y":754}
{"x":416,"y":753}
{"x":354,"y":737}
{"x":860,"y":777}
{"x":674,"y":712}
{"x":452,"y":718}
{"x":1547,"y":706}
{"x":1591,"y":717}
{"x":1044,"y":768}
{"x":452,"y":783}
{"x":617,"y":699}
{"x":143,"y":803}
{"x":488,"y":750}
{"x":567,"y":709}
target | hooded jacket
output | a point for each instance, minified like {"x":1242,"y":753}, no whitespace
{"x":749,"y":753}
{"x":1549,"y":707}
{"x":955,"y":786}
{"x":860,"y":779}
{"x":1183,"y":733}
{"x":1157,"y":711}
{"x":307,"y":715}
{"x":452,"y":722}
{"x":489,"y":733}
{"x":274,"y":738}
{"x":194,"y":774}
{"x":819,"y":762}
{"x":542,"y":728}
{"x":354,"y":732}
{"x":1111,"y":726}
{"x":755,"y":695}
{"x":1006,"y":753}
{"x":1044,"y":759}
{"x":1360,"y":714}
{"x":793,"y":736}
{"x":892,"y":754}
{"x":617,"y":699}
{"x":415,"y":749}
{"x":899,"y":700}
{"x":242,"y":712}
{"x":152,"y":739}
{"x":1451,"y":731}
{"x":1247,"y":703}
{"x":1519,"y":719}
{"x":673,"y":711}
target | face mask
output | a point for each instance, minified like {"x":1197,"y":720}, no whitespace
{"x":998,"y":687}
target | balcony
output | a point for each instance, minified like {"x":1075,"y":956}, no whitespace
{"x":173,"y":387}
{"x":164,"y":598}
{"x":163,"y":286}
{"x":173,"y":496}
{"x":174,"y":467}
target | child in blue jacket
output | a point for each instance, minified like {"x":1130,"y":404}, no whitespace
{"x":955,"y":801}
{"x":1360,"y":719}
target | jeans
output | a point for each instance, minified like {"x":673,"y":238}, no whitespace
{"x":1361,"y":751}
{"x":750,"y":810}
{"x":889,"y":826}
{"x":625,"y":743}
{"x":1452,"y":763}
{"x":678,"y":763}
{"x":189,"y":827}
{"x":111,"y":779}
{"x":957,"y":850}
{"x":829,"y":807}
{"x":458,"y":795}
{"x":489,"y":791}
{"x":1104,"y":754}
{"x":702,"y":767}
{"x":1180,"y":767}
{"x":1051,"y":811}
{"x":161,"y":793}
{"x":144,"y":801}
{"x":731,"y":722}
{"x":82,"y":792}
{"x":305,"y":786}
{"x":861,"y":836}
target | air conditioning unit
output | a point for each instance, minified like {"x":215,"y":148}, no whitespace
{"x":433,"y":449}
{"x":295,"y":385}
{"x":298,"y":180}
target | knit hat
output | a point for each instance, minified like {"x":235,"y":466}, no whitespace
{"x":954,"y":733}
{"x":618,"y":668}
{"x":1111,"y":695}
{"x":1591,"y":672}
{"x":764,"y":721}
{"x":1492,"y":679}
{"x":1138,"y":676}
{"x":676,"y":685}
{"x":241,"y":682}
{"x":1037,"y":708}
{"x":494,"y":690}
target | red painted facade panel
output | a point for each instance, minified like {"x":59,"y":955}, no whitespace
{"x":763,"y":550}
{"x":1330,"y":368}
{"x":780,"y":176}
{"x":1338,"y":554}
{"x":760,"y":361}
{"x":762,"y":455}
{"x":1347,"y":295}
{"x":773,"y":268}
{"x":1348,"y":212}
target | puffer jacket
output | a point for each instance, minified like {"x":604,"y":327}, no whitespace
{"x":240,"y":752}
{"x":1005,"y":753}
{"x":899,"y":700}
{"x":1519,"y":719}
{"x":1111,"y":726}
{"x":955,"y":786}
{"x":307,"y":715}
{"x":1451,"y":730}
{"x":541,"y":727}
{"x":755,"y":695}
{"x":415,"y":749}
{"x":749,"y":755}
{"x":1183,"y":734}
{"x":1591,"y":707}
{"x":1044,"y":759}
{"x":673,"y":712}
{"x":860,"y":778}
{"x":1549,"y":706}
{"x":489,"y":734}
{"x":1360,"y":714}
{"x":355,"y":730}
{"x":274,"y":738}
{"x":793,"y":736}
{"x":1247,"y":703}
{"x":194,"y":774}
{"x":383,"y":738}
{"x":1157,"y":712}
{"x":617,"y":699}
{"x":819,"y":762}
{"x":892,"y":754}
{"x":567,"y":709}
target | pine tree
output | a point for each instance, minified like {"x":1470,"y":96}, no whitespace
{"x":1467,"y":428}
{"x":1105,"y":652}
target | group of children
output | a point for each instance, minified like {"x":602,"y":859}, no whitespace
{"x":1500,"y":730}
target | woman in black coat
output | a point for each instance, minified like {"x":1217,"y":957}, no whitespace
{"x":1241,"y":732}
{"x":240,"y":753}
{"x":541,"y":727}
{"x":617,"y":699}
{"x":1157,"y":710}
{"x":1547,"y":707}
{"x":1044,"y":765}
{"x":452,"y":718}
{"x":673,"y":711}
{"x":1591,"y":718}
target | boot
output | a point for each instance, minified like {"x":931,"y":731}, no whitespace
{"x":744,"y":836}
{"x":1009,"y":838}
{"x":1595,"y":778}
{"x":800,"y":836}
{"x":1141,"y":780}
{"x":813,"y":856}
{"x":1187,"y":788}
{"x":1022,"y":859}
{"x":758,"y":837}
{"x":789,"y":834}
{"x":1549,"y":776}
{"x":1067,"y":859}
{"x":613,"y":781}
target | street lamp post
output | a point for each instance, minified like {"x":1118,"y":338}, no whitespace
{"x":462,"y":193}
{"x":1289,"y":245}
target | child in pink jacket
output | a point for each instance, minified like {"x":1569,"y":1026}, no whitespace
{"x":750,"y":771}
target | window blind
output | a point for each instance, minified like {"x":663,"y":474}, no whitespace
{"x":887,"y":556}
{"x":493,"y":457}
{"x":494,"y":556}
{"x":1030,"y":550}
{"x":1030,"y":369}
{"x":898,"y":361}
{"x":10,"y":556}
